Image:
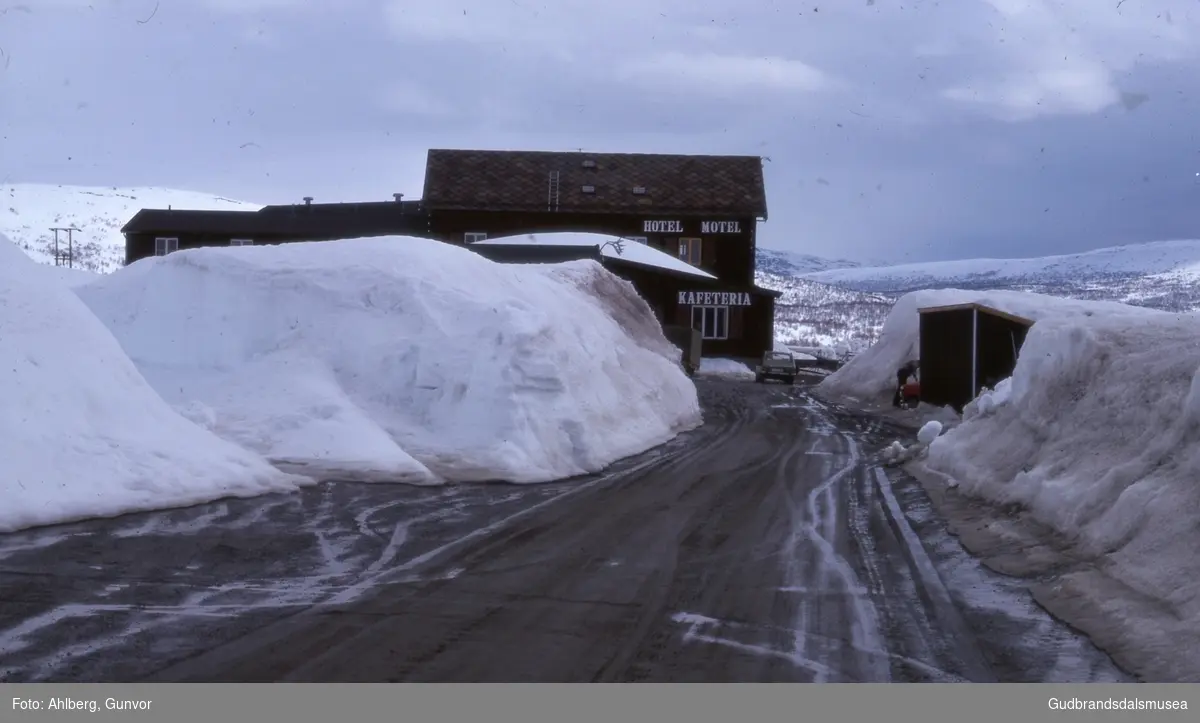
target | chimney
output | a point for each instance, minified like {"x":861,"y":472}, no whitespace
{"x":398,"y":196}
{"x":308,"y":200}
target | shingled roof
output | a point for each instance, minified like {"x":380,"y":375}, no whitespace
{"x":594,"y":182}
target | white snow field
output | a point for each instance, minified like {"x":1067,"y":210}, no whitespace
{"x":1176,"y":257}
{"x":403,"y":359}
{"x":1097,"y":435}
{"x":81,"y":432}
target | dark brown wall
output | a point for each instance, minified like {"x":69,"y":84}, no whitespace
{"x":751,"y":328}
{"x":946,"y":357}
{"x":999,"y":343}
{"x":727,"y":256}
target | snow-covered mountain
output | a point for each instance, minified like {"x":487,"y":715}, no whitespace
{"x":843,"y":305}
{"x":1161,"y":274}
{"x":29,"y":210}
{"x":790,"y":263}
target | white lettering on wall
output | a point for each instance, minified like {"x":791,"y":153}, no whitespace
{"x":662,"y":226}
{"x":714,"y":298}
{"x":720,"y":227}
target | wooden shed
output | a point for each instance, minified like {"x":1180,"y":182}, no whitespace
{"x":966,"y":347}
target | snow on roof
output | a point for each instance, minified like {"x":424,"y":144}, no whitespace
{"x":632,"y":251}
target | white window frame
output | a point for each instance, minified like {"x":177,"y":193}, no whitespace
{"x":164,"y":245}
{"x":690,"y":250}
{"x":471,"y":237}
{"x":241,"y":242}
{"x":713,"y":321}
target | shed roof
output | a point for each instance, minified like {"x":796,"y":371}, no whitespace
{"x":981,"y":307}
{"x":520,"y":181}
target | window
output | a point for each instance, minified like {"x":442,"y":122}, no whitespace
{"x":164,"y":246}
{"x":689,"y":250}
{"x":241,"y":242}
{"x":473,"y":236}
{"x":712,"y":321}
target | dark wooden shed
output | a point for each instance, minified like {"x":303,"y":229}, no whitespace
{"x":966,"y":347}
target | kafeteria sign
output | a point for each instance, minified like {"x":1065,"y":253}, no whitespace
{"x":714,"y":298}
{"x":720,"y":227}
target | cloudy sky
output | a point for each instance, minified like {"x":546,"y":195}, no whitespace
{"x":896,"y":130}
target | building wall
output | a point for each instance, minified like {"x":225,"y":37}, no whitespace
{"x":749,"y":315}
{"x":727,"y":248}
{"x":946,"y":341}
{"x":999,"y":341}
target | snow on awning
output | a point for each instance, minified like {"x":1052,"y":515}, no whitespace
{"x":632,"y":251}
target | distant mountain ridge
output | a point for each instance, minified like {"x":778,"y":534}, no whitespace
{"x":844,"y":305}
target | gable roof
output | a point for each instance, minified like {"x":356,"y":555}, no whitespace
{"x":520,"y":181}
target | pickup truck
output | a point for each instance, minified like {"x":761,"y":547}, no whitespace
{"x":776,"y":365}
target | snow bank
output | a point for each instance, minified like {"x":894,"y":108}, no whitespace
{"x":403,"y":359}
{"x":727,"y":368}
{"x":871,"y":374}
{"x":1098,"y":435}
{"x":81,"y":432}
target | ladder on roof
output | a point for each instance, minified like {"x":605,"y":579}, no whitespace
{"x":552,"y":192}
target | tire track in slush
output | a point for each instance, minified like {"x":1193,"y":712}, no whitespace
{"x":815,"y":523}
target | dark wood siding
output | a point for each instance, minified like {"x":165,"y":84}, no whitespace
{"x":965,"y":349}
{"x":999,"y":341}
{"x":946,"y":357}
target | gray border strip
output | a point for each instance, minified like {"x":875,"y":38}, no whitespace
{"x":587,"y":703}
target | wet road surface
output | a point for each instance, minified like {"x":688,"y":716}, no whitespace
{"x":765,"y":546}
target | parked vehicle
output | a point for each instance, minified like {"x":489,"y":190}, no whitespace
{"x":776,"y":365}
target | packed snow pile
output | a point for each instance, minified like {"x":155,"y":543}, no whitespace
{"x":929,"y":432}
{"x":81,"y":432}
{"x":871,"y":375}
{"x":726,"y":368}
{"x":402,"y":359}
{"x":1097,"y":434}
{"x":896,"y":453}
{"x":989,"y":400}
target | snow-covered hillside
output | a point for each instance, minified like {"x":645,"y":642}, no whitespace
{"x":790,"y":263}
{"x":29,"y":210}
{"x":812,"y":314}
{"x":1161,"y":275}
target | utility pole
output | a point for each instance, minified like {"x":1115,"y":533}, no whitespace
{"x":69,"y":256}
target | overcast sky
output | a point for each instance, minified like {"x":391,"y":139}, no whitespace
{"x":896,"y":130}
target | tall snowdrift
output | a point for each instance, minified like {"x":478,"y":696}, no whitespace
{"x":402,"y":359}
{"x":1098,"y":435}
{"x":81,"y":432}
{"x":871,"y":375}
